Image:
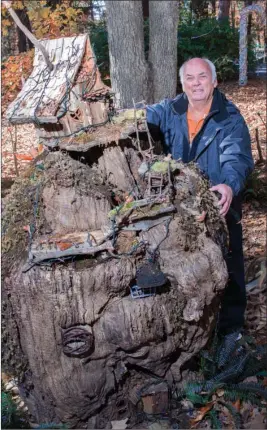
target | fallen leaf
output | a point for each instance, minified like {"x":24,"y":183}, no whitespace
{"x":26,"y":157}
{"x":64,"y":245}
{"x":202,"y":412}
{"x":237,"y":404}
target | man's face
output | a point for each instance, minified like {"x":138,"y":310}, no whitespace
{"x":198,"y":84}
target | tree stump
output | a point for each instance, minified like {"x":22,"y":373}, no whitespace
{"x":110,"y":281}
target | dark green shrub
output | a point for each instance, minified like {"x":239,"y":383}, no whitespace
{"x":199,"y":38}
{"x":210,"y":39}
{"x":99,"y":40}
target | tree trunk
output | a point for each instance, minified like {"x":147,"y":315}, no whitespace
{"x":233,"y":14}
{"x":200,"y":8}
{"x":22,"y":39}
{"x":145,"y":5}
{"x":163,"y":48}
{"x":249,"y":3}
{"x":86,"y":342}
{"x":128,"y":68}
{"x":213,"y":6}
{"x":224,"y":10}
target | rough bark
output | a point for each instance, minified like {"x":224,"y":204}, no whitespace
{"x":163,"y":23}
{"x":128,"y":68}
{"x":224,"y":10}
{"x":249,"y":3}
{"x":22,"y":39}
{"x":85,"y":342}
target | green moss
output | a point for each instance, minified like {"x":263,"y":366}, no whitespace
{"x":121,"y":209}
{"x":162,"y":166}
{"x":129,"y":115}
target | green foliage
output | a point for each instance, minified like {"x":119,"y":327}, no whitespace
{"x":235,"y":414}
{"x":224,"y":368}
{"x":218,"y":42}
{"x":11,"y":417}
{"x":99,"y":39}
{"x":215,"y":422}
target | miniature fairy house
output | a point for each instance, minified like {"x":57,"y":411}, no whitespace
{"x":67,"y":99}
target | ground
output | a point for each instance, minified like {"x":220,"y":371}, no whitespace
{"x":251,"y":100}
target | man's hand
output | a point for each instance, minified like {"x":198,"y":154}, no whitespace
{"x":226,"y":197}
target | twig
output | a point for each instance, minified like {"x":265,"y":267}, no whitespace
{"x":37,"y":256}
{"x":27,"y":33}
{"x":261,"y":159}
{"x":14,"y":149}
{"x":136,"y":129}
{"x":264,"y":123}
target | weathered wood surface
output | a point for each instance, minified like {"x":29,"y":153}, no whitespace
{"x":84,"y":340}
{"x":66,"y":56}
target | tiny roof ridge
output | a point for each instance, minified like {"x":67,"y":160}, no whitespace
{"x":44,"y":91}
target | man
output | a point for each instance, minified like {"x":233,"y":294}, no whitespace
{"x":201,"y":125}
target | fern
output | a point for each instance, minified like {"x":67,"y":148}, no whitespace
{"x":235,"y":414}
{"x":8,"y":409}
{"x":226,"y":350}
{"x":253,"y":388}
{"x":11,"y":417}
{"x":197,"y":399}
{"x":215,"y":422}
{"x":233,"y":372}
{"x":232,"y":395}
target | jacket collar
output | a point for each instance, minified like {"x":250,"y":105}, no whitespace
{"x":218,"y":107}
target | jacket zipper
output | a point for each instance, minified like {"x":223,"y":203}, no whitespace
{"x":204,"y":123}
{"x":207,"y":144}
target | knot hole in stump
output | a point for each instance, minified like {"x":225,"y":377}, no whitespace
{"x":77,"y":341}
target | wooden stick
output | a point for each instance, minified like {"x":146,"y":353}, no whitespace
{"x":37,"y":257}
{"x":14,"y":150}
{"x":261,"y":159}
{"x":27,"y":33}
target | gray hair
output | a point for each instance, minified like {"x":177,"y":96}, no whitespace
{"x":210,"y":64}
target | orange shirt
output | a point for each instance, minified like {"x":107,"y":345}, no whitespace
{"x":195,"y":126}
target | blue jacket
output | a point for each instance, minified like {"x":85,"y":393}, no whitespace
{"x":222,"y":148}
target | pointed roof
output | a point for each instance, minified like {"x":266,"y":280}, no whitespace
{"x":45,"y":92}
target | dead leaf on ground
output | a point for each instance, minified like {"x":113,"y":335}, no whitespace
{"x":201,"y":413}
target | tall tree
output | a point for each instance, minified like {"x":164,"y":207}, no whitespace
{"x":200,"y":8}
{"x":163,"y":47}
{"x":224,"y":10}
{"x":23,"y":42}
{"x":132,"y":76}
{"x":213,"y":6}
{"x":249,"y":3}
{"x":128,"y":67}
{"x":145,"y":4}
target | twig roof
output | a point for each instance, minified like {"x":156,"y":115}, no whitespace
{"x":44,"y":91}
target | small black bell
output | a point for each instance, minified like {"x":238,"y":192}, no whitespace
{"x":149,"y":275}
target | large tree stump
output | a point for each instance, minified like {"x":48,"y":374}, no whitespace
{"x":73,"y":333}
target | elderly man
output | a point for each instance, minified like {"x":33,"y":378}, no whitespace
{"x":201,"y":125}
